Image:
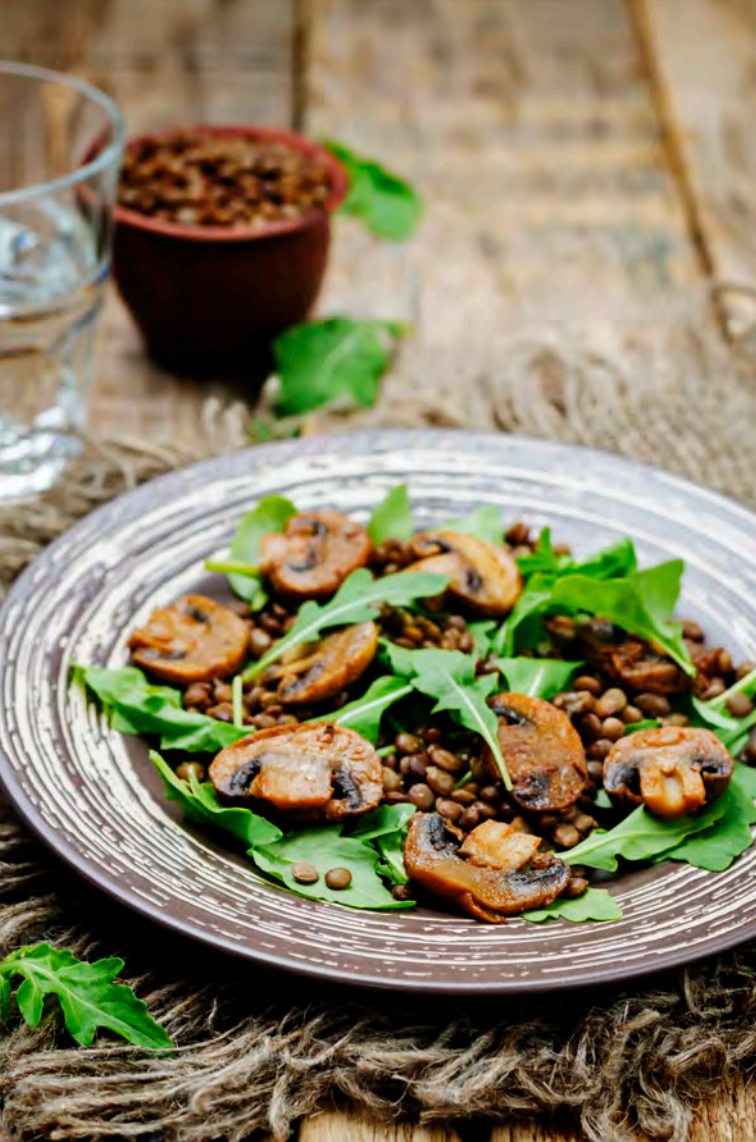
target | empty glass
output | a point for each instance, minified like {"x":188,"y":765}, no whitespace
{"x":60,"y":150}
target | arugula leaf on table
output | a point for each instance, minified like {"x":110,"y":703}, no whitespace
{"x":537,"y":677}
{"x":641,"y":836}
{"x":449,"y":677}
{"x":332,"y":359}
{"x":484,"y":523}
{"x":392,"y":517}
{"x":385,"y":828}
{"x":365,"y":713}
{"x":387,"y":205}
{"x":134,"y":706}
{"x":271,"y":515}
{"x":716,"y":848}
{"x":594,"y":904}
{"x":326,"y":848}
{"x":357,"y":600}
{"x":200,"y":804}
{"x":88,"y":997}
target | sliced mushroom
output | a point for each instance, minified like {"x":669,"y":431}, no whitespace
{"x":327,"y":668}
{"x":672,"y":770}
{"x":495,"y":844}
{"x":484,"y":578}
{"x":195,"y":639}
{"x":520,"y":880}
{"x":314,"y":556}
{"x":542,"y":751}
{"x":313,"y":770}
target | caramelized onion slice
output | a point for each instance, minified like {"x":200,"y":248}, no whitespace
{"x":195,"y":639}
{"x":313,"y":770}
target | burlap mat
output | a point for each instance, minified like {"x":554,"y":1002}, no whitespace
{"x":613,"y":1061}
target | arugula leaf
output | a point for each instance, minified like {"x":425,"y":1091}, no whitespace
{"x":87,"y":995}
{"x":392,"y":518}
{"x":533,"y":601}
{"x":734,"y":732}
{"x":602,"y":800}
{"x":538,"y":677}
{"x":365,"y":713}
{"x":643,"y":724}
{"x":611,"y":562}
{"x":134,"y":706}
{"x":385,"y":828}
{"x":200,"y":804}
{"x":325,"y":848}
{"x":641,"y":836}
{"x":716,"y":848}
{"x":271,"y":515}
{"x":484,"y":522}
{"x":357,"y":600}
{"x":543,"y":559}
{"x":449,"y":677}
{"x":332,"y":359}
{"x":482,"y":635}
{"x":594,"y":904}
{"x":387,"y":205}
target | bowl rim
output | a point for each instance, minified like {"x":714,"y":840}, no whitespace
{"x":337,"y":175}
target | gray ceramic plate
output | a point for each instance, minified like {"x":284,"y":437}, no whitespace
{"x":92,"y":795}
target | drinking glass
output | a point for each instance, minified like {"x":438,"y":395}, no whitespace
{"x":60,"y":151}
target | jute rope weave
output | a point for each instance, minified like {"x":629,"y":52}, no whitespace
{"x":615,"y":1061}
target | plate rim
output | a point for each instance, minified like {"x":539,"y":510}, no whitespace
{"x":94,"y":874}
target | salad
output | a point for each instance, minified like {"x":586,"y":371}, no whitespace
{"x":464,"y":716}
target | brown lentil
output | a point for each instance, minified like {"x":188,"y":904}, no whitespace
{"x":566,"y":836}
{"x":491,"y":794}
{"x":338,"y":878}
{"x":598,"y":750}
{"x":449,"y":809}
{"x":432,"y":735}
{"x":187,"y":769}
{"x":589,"y":683}
{"x":421,"y":795}
{"x":676,"y":720}
{"x":305,"y":873}
{"x":653,"y":705}
{"x":396,"y":798}
{"x":596,"y":771}
{"x":463,"y":796}
{"x":440,"y":781}
{"x":402,"y":892}
{"x":613,"y":729}
{"x":591,"y":727}
{"x":414,"y":765}
{"x":470,"y":818}
{"x":520,"y":825}
{"x":584,"y":823}
{"x":745,"y":668}
{"x":485,"y":812}
{"x":223,"y":712}
{"x":444,"y":759}
{"x":739,"y":705}
{"x":574,"y":702}
{"x":391,"y":781}
{"x":611,"y":702}
{"x":576,"y":887}
{"x":631,"y":714}
{"x":259,"y":642}
{"x":408,"y":743}
{"x":221,"y":691}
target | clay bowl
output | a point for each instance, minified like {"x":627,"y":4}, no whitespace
{"x":210,"y":300}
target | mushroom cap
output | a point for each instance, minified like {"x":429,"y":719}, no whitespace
{"x":195,"y":639}
{"x":673,"y":770}
{"x":314,"y":555}
{"x":542,"y":750}
{"x":313,"y":770}
{"x":483,"y":578}
{"x":335,"y":662}
{"x":432,"y":859}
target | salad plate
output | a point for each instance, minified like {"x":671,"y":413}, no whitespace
{"x":92,"y":794}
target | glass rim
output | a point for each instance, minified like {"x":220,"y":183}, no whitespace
{"x":93,"y":166}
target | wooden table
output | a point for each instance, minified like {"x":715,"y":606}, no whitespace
{"x":587,"y":162}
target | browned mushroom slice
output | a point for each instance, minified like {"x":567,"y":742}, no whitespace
{"x":521,"y":880}
{"x":484,"y":578}
{"x":314,"y":556}
{"x":672,"y":770}
{"x":313,"y":770}
{"x":328,"y":667}
{"x":193,"y":640}
{"x":542,"y":750}
{"x":622,"y":658}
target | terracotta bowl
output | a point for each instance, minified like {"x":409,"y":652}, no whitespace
{"x":210,"y":300}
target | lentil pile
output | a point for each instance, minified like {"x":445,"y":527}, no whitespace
{"x":198,"y":179}
{"x":430,"y":761}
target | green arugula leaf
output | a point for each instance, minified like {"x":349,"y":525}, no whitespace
{"x":134,"y":706}
{"x":484,"y":522}
{"x":449,"y":677}
{"x":716,"y":848}
{"x":594,"y":904}
{"x":543,"y":559}
{"x":602,"y":800}
{"x":538,"y":677}
{"x":365,"y":713}
{"x":482,"y":635}
{"x":357,"y":600}
{"x":612,"y":562}
{"x":387,"y":205}
{"x":385,"y":828}
{"x":734,"y":732}
{"x":643,"y":724}
{"x":641,"y":836}
{"x":87,"y":995}
{"x":325,"y":848}
{"x":332,"y":359}
{"x":392,"y":518}
{"x":200,"y":804}
{"x":271,"y":515}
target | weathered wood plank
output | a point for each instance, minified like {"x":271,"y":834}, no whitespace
{"x":342,"y":1126}
{"x":702,"y":56}
{"x":166,"y":62}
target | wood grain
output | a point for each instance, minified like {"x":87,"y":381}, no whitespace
{"x":704,"y":59}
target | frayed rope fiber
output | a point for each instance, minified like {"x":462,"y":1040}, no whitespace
{"x":618,"y":1063}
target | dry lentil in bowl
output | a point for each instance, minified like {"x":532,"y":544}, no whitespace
{"x":467,"y":717}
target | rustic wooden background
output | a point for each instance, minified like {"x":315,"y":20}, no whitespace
{"x":590,"y":162}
